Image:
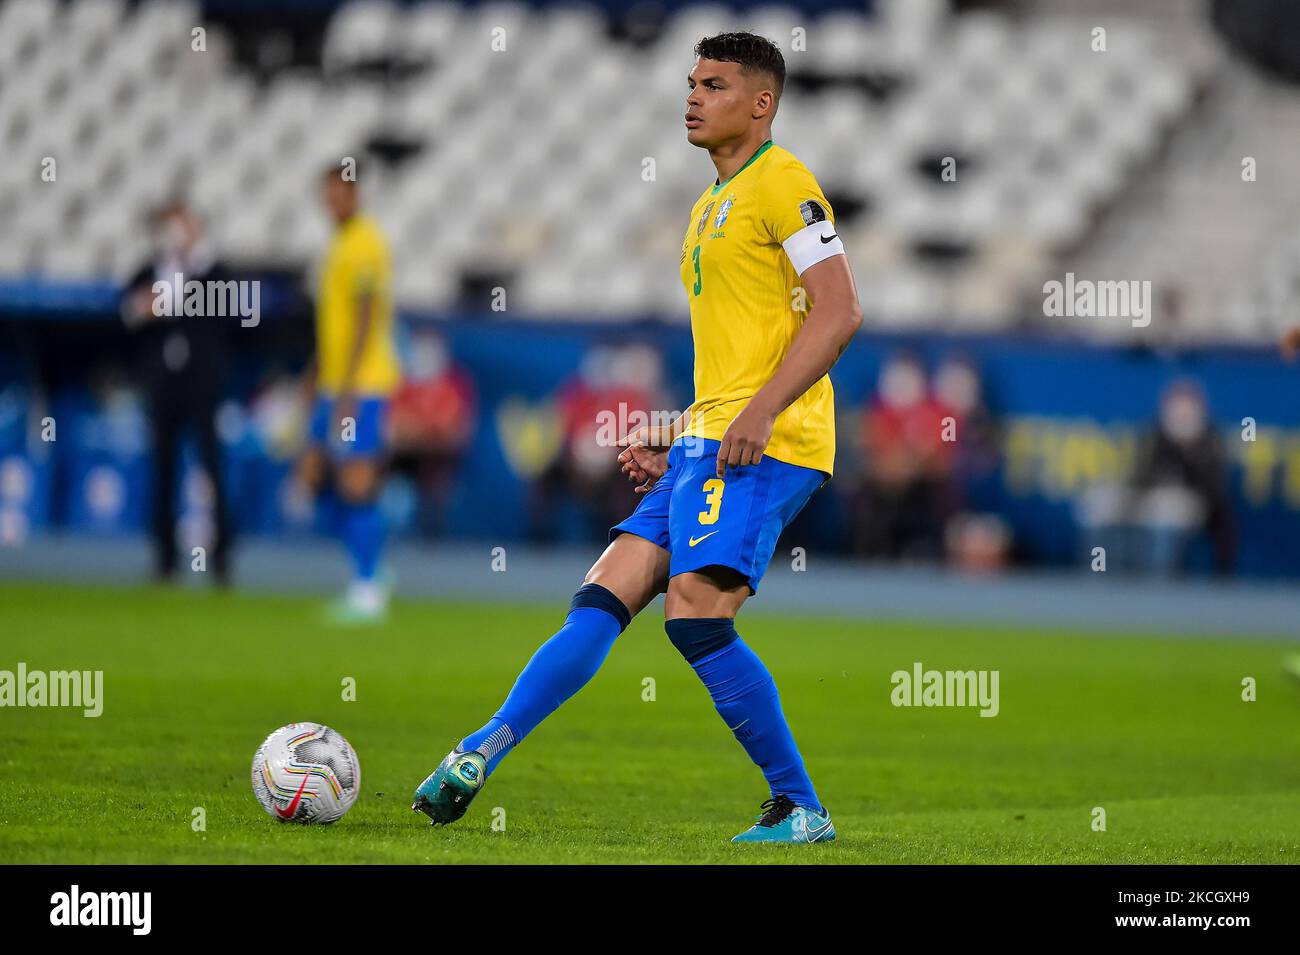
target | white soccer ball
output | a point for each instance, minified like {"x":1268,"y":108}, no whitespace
{"x":307,"y":773}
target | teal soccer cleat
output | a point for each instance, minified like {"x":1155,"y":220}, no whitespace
{"x":450,"y":788}
{"x":783,"y":821}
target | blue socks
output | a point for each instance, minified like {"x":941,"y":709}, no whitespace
{"x":362,"y":528}
{"x":746,"y":698}
{"x":742,"y":689}
{"x":560,"y":668}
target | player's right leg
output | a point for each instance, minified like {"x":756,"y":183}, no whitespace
{"x":166,"y":448}
{"x":317,"y":473}
{"x":628,"y":575}
{"x":312,"y":470}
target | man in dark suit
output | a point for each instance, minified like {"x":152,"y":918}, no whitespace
{"x":183,"y":363}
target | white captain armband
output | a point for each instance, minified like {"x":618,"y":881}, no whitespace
{"x":812,"y":244}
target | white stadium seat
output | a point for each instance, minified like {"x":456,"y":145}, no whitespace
{"x":1046,"y":132}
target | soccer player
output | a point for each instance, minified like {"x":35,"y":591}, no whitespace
{"x":352,"y":377}
{"x":735,"y":469}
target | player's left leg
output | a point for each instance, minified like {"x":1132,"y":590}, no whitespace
{"x":700,"y":613}
{"x":358,"y":474}
{"x":723,"y":534}
{"x":361,"y":525}
{"x":211,"y":457}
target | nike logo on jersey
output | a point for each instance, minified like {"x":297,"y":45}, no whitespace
{"x":827,"y":238}
{"x":695,"y":540}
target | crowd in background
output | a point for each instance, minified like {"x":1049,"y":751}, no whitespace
{"x":907,"y":458}
{"x":911,"y":459}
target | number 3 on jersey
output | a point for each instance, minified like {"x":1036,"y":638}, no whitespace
{"x":713,"y":489}
{"x":695,"y":260}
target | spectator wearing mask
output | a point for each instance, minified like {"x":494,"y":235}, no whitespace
{"x":1180,"y":482}
{"x":906,"y":492}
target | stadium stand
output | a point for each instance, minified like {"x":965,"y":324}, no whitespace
{"x":1045,"y":133}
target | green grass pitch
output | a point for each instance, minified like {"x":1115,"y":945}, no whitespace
{"x":1153,"y":730}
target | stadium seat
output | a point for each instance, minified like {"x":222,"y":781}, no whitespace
{"x":1047,"y":134}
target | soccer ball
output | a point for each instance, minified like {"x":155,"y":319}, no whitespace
{"x":307,"y":773}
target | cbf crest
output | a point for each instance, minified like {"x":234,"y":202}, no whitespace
{"x":723,"y":211}
{"x":704,"y":217}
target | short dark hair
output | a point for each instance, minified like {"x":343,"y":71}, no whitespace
{"x":751,"y":51}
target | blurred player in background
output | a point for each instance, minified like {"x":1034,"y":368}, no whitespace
{"x":350,"y":381}
{"x":184,"y":359}
{"x":733,"y":471}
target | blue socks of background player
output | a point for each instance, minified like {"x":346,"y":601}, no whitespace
{"x":746,"y":698}
{"x":362,"y":529}
{"x":560,"y":668}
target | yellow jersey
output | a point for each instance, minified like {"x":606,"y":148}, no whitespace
{"x":748,"y":241}
{"x":357,"y":264}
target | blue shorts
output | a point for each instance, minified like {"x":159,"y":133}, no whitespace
{"x":367,"y":439}
{"x":734,"y":522}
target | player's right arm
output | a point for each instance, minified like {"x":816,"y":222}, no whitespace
{"x":136,"y":306}
{"x":310,"y":469}
{"x":644,"y":457}
{"x":307,"y":384}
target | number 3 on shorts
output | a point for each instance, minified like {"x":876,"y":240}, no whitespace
{"x":713,"y":497}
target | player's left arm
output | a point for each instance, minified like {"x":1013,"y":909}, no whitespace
{"x":345,"y":404}
{"x":368,"y":270}
{"x":830,"y":326}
